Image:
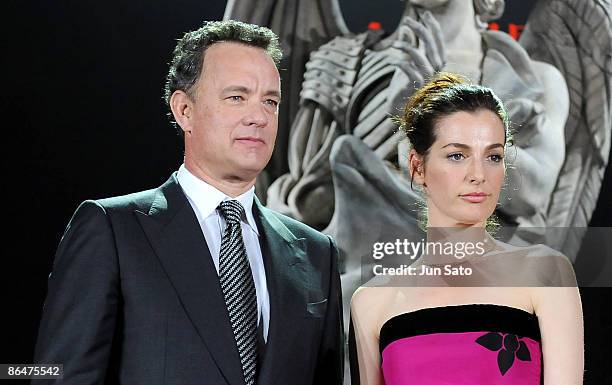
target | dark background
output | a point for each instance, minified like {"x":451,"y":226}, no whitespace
{"x":83,"y":116}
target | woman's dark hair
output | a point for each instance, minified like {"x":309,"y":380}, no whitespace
{"x":188,"y":55}
{"x":445,"y":94}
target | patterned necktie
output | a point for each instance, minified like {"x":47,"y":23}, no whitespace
{"x":239,"y":288}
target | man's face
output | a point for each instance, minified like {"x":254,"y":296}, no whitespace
{"x":233,"y":118}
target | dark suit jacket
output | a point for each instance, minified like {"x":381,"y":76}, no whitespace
{"x":134,"y":298}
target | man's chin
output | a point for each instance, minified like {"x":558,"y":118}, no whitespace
{"x":247,"y":171}
{"x":253,"y":161}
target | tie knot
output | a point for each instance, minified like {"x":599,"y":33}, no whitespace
{"x":232,"y":211}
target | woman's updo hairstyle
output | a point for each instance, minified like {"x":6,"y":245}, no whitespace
{"x":445,"y":94}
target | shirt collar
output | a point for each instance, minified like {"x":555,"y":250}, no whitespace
{"x":207,"y":198}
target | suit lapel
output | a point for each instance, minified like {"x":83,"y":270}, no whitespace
{"x":176,"y":237}
{"x":283,"y":256}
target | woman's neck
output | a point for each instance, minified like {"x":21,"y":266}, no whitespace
{"x":455,"y":244}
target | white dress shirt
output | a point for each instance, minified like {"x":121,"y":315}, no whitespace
{"x":204,"y":200}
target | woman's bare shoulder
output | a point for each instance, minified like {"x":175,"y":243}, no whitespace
{"x":529,"y":251}
{"x":549,"y":267}
{"x":370,"y":295}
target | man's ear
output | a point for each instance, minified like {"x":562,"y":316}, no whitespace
{"x":181,"y":107}
{"x":416,"y":165}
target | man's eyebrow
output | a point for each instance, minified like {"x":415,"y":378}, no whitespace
{"x":246,"y":90}
{"x":236,"y":89}
{"x":465,"y":146}
{"x":275,"y":93}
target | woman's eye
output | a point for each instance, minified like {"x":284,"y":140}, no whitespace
{"x":455,"y":156}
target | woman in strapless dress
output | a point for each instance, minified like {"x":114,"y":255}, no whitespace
{"x":516,"y":318}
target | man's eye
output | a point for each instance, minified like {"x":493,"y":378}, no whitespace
{"x":272,"y":102}
{"x":455,"y":156}
{"x":235,"y":98}
{"x":496,"y":158}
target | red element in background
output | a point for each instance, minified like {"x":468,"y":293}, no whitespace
{"x":514,"y":30}
{"x":374,"y":25}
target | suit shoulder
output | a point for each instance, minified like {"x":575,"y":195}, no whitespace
{"x":141,"y":200}
{"x":299,"y":229}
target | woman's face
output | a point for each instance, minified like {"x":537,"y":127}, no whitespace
{"x":464,"y":170}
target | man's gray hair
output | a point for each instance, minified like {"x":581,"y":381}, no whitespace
{"x":188,"y":57}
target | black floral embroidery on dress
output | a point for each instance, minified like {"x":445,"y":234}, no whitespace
{"x":509,"y":347}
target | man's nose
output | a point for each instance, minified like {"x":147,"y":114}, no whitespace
{"x":255,"y":115}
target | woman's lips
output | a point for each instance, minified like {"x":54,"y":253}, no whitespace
{"x":474,"y":197}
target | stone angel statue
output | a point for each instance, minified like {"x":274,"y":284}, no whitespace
{"x":344,"y":162}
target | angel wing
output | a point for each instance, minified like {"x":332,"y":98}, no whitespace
{"x":302,"y":26}
{"x":576,"y":37}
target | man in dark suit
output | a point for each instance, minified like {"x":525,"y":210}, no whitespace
{"x":196,"y":282}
